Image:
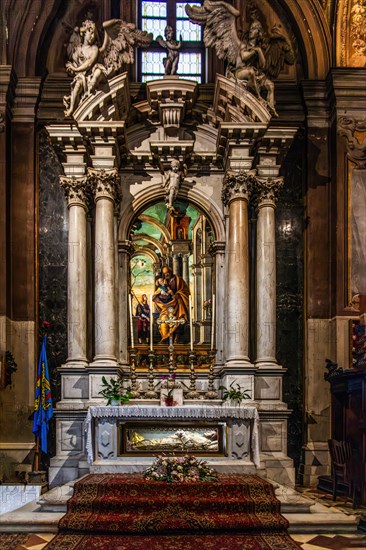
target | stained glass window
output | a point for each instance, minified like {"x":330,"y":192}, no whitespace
{"x":154,"y":17}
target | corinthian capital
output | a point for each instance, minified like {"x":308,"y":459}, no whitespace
{"x":75,"y":189}
{"x":105,"y":184}
{"x":237,"y":185}
{"x":265,"y":191}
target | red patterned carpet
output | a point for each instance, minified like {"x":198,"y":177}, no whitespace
{"x":126,"y":512}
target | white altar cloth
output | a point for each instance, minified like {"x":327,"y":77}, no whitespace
{"x":195,"y":412}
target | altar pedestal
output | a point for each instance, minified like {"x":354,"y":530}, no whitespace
{"x":240,"y":429}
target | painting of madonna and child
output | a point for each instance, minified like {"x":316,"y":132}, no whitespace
{"x":171,"y":278}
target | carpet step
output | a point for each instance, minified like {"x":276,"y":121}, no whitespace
{"x":265,"y":541}
{"x":171,"y":520}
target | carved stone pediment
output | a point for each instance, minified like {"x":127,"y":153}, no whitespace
{"x":172,"y":98}
{"x":110,"y":103}
{"x":233,"y":103}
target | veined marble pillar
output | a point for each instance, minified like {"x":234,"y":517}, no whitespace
{"x":74,"y":188}
{"x":236,"y":190}
{"x":217,"y":250}
{"x":266,"y":191}
{"x":106,"y":192}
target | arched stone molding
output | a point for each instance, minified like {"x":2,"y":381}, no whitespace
{"x":156,"y":223}
{"x":145,"y":251}
{"x":150,"y":240}
{"x":155,"y":192}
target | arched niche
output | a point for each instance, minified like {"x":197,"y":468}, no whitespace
{"x":183,"y":246}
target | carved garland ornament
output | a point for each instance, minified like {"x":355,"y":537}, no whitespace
{"x":238,"y":185}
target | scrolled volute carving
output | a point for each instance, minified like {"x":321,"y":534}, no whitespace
{"x":266,"y":190}
{"x":238,"y":185}
{"x":356,"y":151}
{"x":105,"y":184}
{"x":75,"y":189}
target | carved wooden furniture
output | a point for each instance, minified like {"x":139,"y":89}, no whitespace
{"x":340,"y":454}
{"x":348,"y":391}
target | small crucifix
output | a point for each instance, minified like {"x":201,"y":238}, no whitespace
{"x":171,"y":321}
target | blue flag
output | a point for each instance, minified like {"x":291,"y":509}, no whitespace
{"x":43,"y":410}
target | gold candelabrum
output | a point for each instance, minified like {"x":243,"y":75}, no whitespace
{"x":192,"y":393}
{"x":135,"y":393}
{"x":151,"y":393}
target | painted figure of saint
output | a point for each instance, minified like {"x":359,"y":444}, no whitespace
{"x":143,"y":320}
{"x":178,"y":291}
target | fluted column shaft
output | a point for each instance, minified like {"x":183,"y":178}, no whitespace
{"x":236,"y":191}
{"x":74,"y":188}
{"x":266,"y":195}
{"x":107,"y":188}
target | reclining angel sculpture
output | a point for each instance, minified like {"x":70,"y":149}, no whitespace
{"x":91,"y":64}
{"x":255,"y":59}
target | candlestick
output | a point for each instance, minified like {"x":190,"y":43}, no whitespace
{"x":151,"y":323}
{"x":190,"y":321}
{"x":131,"y":322}
{"x":213,"y":322}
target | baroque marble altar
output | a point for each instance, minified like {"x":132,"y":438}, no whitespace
{"x":213,"y":165}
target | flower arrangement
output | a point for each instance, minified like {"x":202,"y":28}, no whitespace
{"x":168,"y":383}
{"x":183,"y":469}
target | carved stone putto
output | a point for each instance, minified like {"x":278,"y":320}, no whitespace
{"x":90,"y":65}
{"x":266,"y":190}
{"x":249,"y":61}
{"x":105,"y":184}
{"x":238,"y":185}
{"x":75,"y":189}
{"x":356,"y":150}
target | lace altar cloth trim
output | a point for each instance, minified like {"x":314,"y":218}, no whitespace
{"x":208,"y":412}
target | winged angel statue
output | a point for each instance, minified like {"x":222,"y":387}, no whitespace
{"x":90,"y":64}
{"x":255,"y":59}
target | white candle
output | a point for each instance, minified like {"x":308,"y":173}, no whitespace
{"x":151,"y":323}
{"x":190,"y":321}
{"x":131,"y":323}
{"x":213,"y":323}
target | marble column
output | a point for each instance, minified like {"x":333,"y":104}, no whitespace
{"x":236,"y":191}
{"x":74,"y":188}
{"x":217,"y":251}
{"x":125,"y":251}
{"x":266,"y":192}
{"x":106,"y":185}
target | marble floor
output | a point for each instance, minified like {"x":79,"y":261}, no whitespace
{"x":307,"y":542}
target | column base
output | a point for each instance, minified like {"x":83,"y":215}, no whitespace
{"x":266,"y":363}
{"x":107,"y":360}
{"x":76,"y":362}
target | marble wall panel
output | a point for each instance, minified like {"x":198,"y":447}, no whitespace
{"x":52,"y":261}
{"x":290,"y":289}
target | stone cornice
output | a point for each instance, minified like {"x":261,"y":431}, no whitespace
{"x":27,"y":94}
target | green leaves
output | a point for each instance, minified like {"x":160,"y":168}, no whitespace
{"x":114,"y":391}
{"x":234,"y":393}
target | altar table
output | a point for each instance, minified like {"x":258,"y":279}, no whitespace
{"x":241,"y":420}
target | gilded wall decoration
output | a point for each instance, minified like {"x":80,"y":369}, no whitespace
{"x":351,"y":33}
